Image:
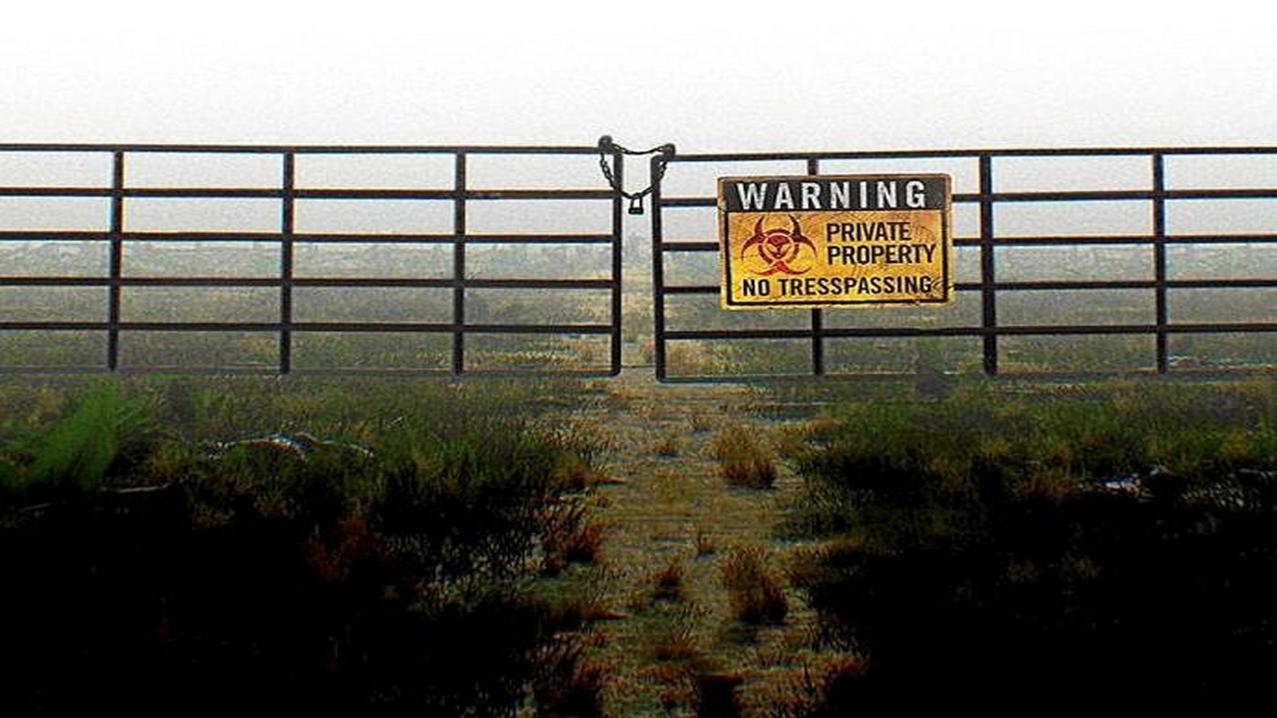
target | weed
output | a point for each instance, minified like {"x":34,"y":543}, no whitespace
{"x":1076,"y":539}
{"x":572,"y":473}
{"x":742,"y":459}
{"x":668,"y":445}
{"x":668,"y":582}
{"x":392,"y":580}
{"x":700,"y":421}
{"x":567,"y":685}
{"x":672,"y":639}
{"x":570,"y":536}
{"x":703,"y":543}
{"x":816,"y":691}
{"x":756,"y":594}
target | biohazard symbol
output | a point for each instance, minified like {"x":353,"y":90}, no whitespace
{"x":778,"y":247}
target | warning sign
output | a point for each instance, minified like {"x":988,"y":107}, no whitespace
{"x":835,"y":241}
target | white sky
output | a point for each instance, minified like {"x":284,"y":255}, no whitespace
{"x":709,"y":76}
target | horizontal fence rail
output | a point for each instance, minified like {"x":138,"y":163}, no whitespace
{"x":985,"y":198}
{"x":456,"y":277}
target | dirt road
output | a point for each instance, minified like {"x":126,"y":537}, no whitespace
{"x":671,"y":521}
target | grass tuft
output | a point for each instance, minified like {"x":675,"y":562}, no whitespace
{"x":703,"y":543}
{"x":756,"y":594}
{"x":668,"y":582}
{"x":742,"y":458}
{"x":570,"y":536}
{"x":672,"y":639}
{"x":700,"y":421}
{"x":568,"y":685}
{"x":668,"y":444}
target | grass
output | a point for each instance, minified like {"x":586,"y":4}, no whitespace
{"x":672,"y":639}
{"x":667,"y":445}
{"x":389,"y":563}
{"x":699,"y":422}
{"x":104,"y":435}
{"x":703,"y":543}
{"x":452,"y":570}
{"x":442,"y":548}
{"x":1074,"y":541}
{"x":756,"y":594}
{"x":569,"y":535}
{"x":811,"y":691}
{"x":743,"y":459}
{"x":573,"y":686}
{"x":667,"y":584}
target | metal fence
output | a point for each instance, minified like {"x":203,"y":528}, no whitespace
{"x":463,"y":196}
{"x":1146,"y":188}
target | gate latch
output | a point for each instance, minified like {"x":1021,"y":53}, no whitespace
{"x":607,"y":146}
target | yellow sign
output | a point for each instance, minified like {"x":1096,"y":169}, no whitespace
{"x":835,"y":241}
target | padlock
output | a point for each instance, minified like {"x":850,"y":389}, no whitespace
{"x":636,"y":205}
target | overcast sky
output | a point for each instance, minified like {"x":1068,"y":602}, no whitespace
{"x":709,"y":76}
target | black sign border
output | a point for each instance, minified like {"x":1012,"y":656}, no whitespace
{"x":950,"y":293}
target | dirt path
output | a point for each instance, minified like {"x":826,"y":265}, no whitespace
{"x":669,"y":507}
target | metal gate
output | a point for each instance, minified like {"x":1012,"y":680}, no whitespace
{"x":452,"y":196}
{"x":1179,"y":205}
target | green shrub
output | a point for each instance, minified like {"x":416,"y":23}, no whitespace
{"x":105,"y":434}
{"x":394,"y":577}
{"x":1078,"y":543}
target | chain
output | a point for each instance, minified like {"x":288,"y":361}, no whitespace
{"x":607,"y":146}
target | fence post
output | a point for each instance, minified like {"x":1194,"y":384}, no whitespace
{"x":286,"y":265}
{"x":1159,"y":259}
{"x":618,"y":249}
{"x":658,"y":272}
{"x":116,"y":261}
{"x":817,"y":318}
{"x":988,"y":293}
{"x":459,"y":266}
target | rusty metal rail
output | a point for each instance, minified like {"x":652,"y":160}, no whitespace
{"x":117,"y":235}
{"x":987,"y":199}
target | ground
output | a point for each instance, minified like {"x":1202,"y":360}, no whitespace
{"x":665,"y":504}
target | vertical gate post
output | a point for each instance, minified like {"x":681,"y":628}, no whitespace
{"x":658,"y":271}
{"x":988,"y":292}
{"x":116,"y":261}
{"x":817,"y":318}
{"x":286,"y":228}
{"x":459,"y":266}
{"x":1159,"y":259}
{"x":618,"y":249}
